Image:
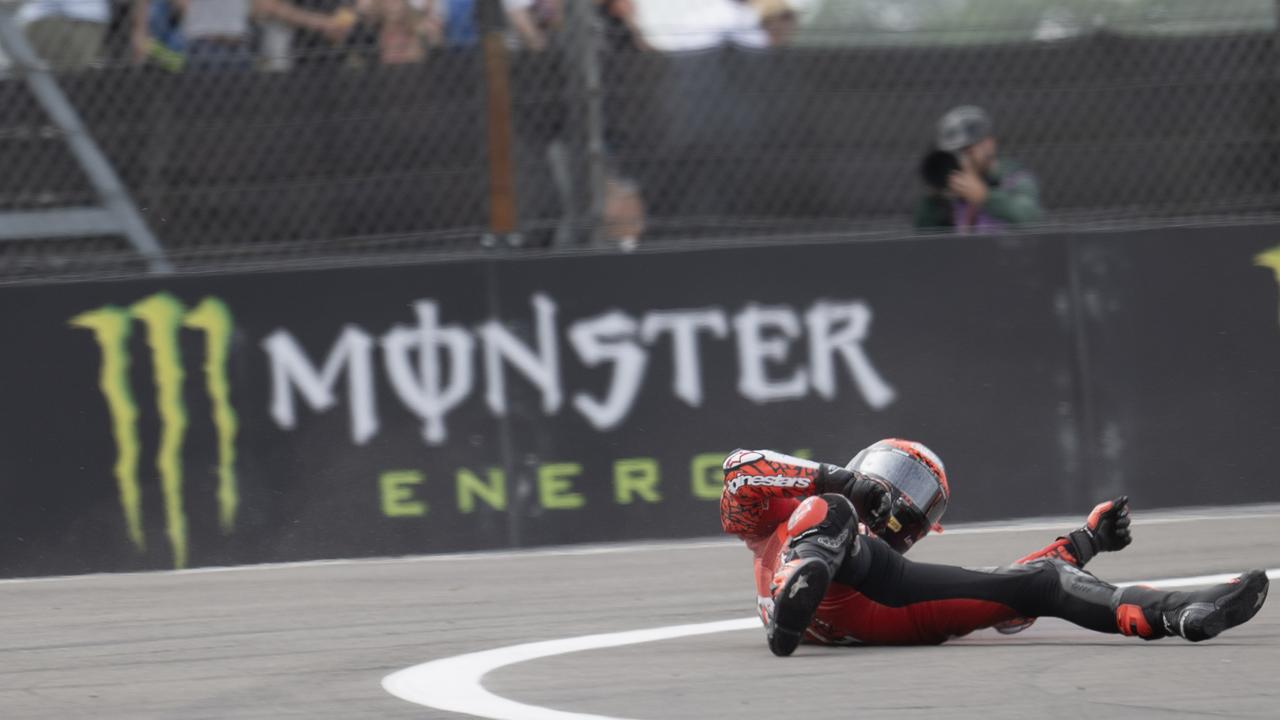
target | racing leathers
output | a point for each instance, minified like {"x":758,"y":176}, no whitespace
{"x":791,"y":511}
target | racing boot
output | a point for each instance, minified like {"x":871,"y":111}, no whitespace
{"x":1196,"y":616}
{"x":821,"y":531}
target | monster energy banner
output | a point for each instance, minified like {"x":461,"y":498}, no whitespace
{"x":224,"y":420}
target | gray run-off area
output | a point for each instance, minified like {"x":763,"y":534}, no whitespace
{"x":315,"y":641}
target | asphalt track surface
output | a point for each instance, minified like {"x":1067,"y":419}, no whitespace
{"x":315,"y":641}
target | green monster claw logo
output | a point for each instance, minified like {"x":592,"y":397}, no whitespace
{"x":1270,"y":259}
{"x":163,"y":316}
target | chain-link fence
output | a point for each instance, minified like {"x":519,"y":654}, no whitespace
{"x":313,"y":130}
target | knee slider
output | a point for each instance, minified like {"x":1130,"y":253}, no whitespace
{"x":828,"y":514}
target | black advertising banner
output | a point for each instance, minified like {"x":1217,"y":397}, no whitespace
{"x":1183,"y":331}
{"x":678,"y":359}
{"x":236,"y":419}
{"x":193,"y":421}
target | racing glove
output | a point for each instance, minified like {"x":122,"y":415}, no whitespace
{"x":1106,"y":530}
{"x":871,"y":498}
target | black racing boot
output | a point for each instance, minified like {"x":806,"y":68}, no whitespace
{"x":824,"y":529}
{"x":1196,"y":616}
{"x":804,"y":583}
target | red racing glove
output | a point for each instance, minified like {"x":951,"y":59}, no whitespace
{"x":1106,"y":530}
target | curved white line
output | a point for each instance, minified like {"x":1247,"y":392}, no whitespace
{"x":454,"y":683}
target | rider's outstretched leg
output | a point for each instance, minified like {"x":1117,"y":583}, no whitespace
{"x":1053,"y":588}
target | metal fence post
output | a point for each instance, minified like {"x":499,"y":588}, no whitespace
{"x":119,"y":213}
{"x":583,"y":51}
{"x":500,"y":150}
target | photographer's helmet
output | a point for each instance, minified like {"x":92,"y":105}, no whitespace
{"x":918,"y":481}
{"x":963,"y":127}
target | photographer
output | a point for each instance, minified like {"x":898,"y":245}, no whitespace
{"x":970,"y":188}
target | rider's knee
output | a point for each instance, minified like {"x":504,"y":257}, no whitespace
{"x":826,"y":515}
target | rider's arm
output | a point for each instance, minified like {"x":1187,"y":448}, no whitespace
{"x":760,"y":487}
{"x":1060,"y":548}
{"x":1105,"y":530}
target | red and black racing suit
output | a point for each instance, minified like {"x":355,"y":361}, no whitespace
{"x":935,"y":603}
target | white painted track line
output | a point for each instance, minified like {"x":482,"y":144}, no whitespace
{"x":453,"y":684}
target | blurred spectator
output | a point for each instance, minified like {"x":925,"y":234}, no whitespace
{"x":778,"y":18}
{"x":621,"y":33}
{"x":66,"y":34}
{"x":970,"y":187}
{"x":458,"y":18}
{"x":216,"y":33}
{"x":624,"y":213}
{"x":321,"y":28}
{"x":680,"y":26}
{"x":403,"y":28}
{"x":163,"y":42}
{"x":532,"y":21}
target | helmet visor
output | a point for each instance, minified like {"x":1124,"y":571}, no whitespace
{"x":909,"y":475}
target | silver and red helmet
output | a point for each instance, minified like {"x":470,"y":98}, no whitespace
{"x":918,"y":481}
